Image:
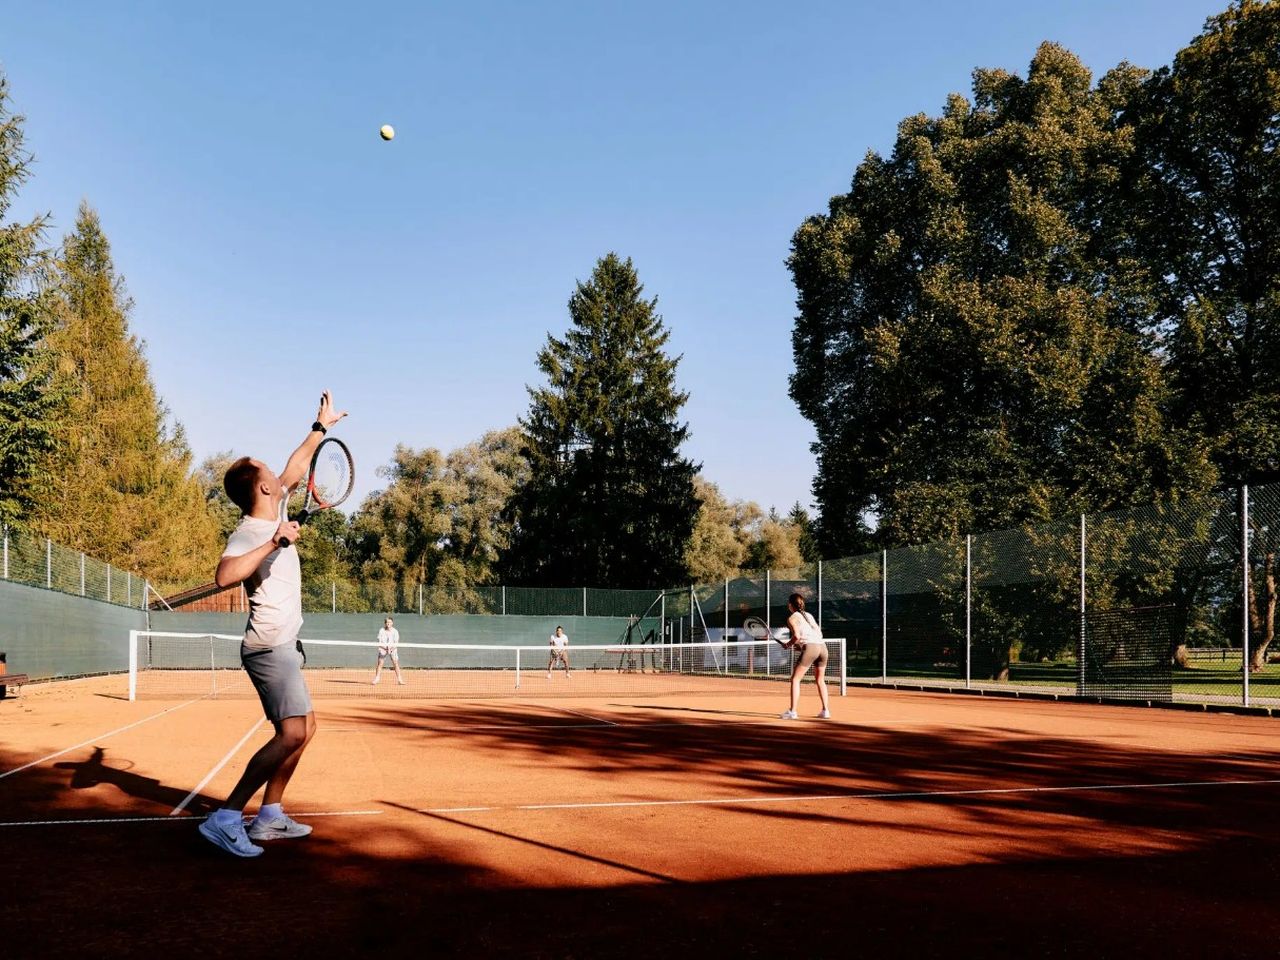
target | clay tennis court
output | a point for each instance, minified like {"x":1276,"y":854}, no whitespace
{"x":689,"y":825}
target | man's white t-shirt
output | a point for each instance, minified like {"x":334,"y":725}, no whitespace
{"x":274,"y":589}
{"x":387,"y":640}
{"x":559,"y":642}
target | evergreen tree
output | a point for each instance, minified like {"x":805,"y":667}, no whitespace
{"x":610,"y":502}
{"x":121,"y":483}
{"x":28,"y":404}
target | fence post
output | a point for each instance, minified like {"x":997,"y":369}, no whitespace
{"x":420,"y":606}
{"x":584,"y":601}
{"x":819,"y":594}
{"x":884,"y":616}
{"x":108,"y":583}
{"x":128,"y":584}
{"x":662,"y":617}
{"x":1244,"y":556}
{"x":6,"y":553}
{"x":333,"y":596}
{"x":768,"y":600}
{"x":968,"y":612}
{"x":1080,"y":644}
{"x":48,"y":563}
{"x":82,"y":573}
{"x":726,"y":609}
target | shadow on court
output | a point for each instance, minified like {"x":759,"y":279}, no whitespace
{"x":404,"y":884}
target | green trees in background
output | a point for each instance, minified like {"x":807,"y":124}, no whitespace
{"x":730,"y":538}
{"x":27,"y":399}
{"x":969,"y":340}
{"x":1206,"y":213}
{"x":610,"y":501}
{"x":119,"y":482}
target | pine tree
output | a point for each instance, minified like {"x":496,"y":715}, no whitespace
{"x":28,"y":404}
{"x":121,"y":484}
{"x":611,"y":500}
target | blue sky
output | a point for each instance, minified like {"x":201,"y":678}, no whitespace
{"x":274,"y":245}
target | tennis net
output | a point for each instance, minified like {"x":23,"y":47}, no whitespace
{"x":170,"y":665}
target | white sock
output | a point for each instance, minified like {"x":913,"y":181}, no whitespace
{"x":225,"y":817}
{"x":270,"y":811}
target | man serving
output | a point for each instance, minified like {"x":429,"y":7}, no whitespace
{"x":270,"y":652}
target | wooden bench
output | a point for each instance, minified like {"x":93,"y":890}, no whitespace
{"x":14,"y":680}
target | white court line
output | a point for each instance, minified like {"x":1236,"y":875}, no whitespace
{"x":579,"y":713}
{"x":214,"y":772}
{"x":173,"y":819}
{"x":904,"y":795}
{"x":103,"y":736}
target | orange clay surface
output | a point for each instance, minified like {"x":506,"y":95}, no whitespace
{"x":909,"y":825}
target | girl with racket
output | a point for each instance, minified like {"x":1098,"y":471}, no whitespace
{"x":806,"y":637}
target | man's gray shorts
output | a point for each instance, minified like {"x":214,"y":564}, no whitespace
{"x":276,"y":673}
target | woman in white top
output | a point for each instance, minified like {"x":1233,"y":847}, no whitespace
{"x":806,"y":637}
{"x":388,"y":646}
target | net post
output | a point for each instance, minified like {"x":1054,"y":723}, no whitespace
{"x":968,"y":611}
{"x":1244,"y":583}
{"x":884,"y":616}
{"x":1080,"y":644}
{"x":133,"y":664}
{"x":844,"y":668}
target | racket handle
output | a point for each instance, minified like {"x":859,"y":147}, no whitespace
{"x":298,"y":518}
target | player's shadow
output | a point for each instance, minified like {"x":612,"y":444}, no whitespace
{"x":95,"y":771}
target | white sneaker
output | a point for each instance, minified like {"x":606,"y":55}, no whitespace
{"x":283,"y":827}
{"x":824,"y":714}
{"x":401,"y":682}
{"x":230,"y":837}
{"x":376,"y":681}
{"x":789,"y":715}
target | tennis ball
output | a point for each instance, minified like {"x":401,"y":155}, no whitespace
{"x":387,"y":131}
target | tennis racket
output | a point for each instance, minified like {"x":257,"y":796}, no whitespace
{"x":329,"y":481}
{"x":759,"y":630}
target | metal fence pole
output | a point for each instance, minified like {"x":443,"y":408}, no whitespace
{"x":6,"y":553}
{"x":333,"y":596}
{"x":584,"y":601}
{"x":128,"y":583}
{"x":968,"y":612}
{"x":108,"y":583}
{"x":726,"y":609}
{"x":819,"y":594}
{"x":768,"y":600}
{"x":82,"y":573}
{"x":1080,"y":644}
{"x":1244,"y":617}
{"x":420,"y":606}
{"x":662,"y":616}
{"x":48,"y":563}
{"x":504,"y":601}
{"x":884,"y":616}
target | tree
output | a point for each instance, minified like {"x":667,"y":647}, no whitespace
{"x":716,"y":550}
{"x":774,"y":544}
{"x":1207,"y":218}
{"x":806,"y":540}
{"x":28,"y":401}
{"x":210,"y":475}
{"x":610,"y":501}
{"x":439,"y":523}
{"x":120,"y":482}
{"x":969,"y":338}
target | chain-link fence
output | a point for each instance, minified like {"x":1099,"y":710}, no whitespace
{"x":1168,"y":601}
{"x":39,"y":562}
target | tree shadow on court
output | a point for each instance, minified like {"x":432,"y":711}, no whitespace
{"x":1035,"y":877}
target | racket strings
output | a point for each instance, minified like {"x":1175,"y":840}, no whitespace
{"x":330,"y":478}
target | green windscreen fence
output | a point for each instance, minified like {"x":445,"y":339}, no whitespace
{"x":46,"y":634}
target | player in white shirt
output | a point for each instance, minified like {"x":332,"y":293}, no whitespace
{"x":806,"y":636}
{"x":388,"y":647}
{"x":270,"y":652}
{"x":559,"y":643}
